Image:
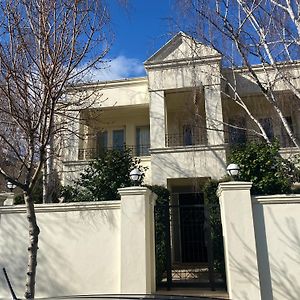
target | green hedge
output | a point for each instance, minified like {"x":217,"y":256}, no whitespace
{"x":163,"y":199}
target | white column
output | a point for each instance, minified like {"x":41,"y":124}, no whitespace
{"x":239,"y":240}
{"x":130,"y":135}
{"x":7,"y":198}
{"x":137,"y":241}
{"x":157,"y":119}
{"x":71,"y":136}
{"x":214,"y":114}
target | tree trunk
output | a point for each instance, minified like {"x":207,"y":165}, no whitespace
{"x":32,"y":248}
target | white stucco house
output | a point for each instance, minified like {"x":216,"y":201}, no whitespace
{"x":175,"y":118}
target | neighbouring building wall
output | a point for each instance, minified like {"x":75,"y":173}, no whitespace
{"x":82,"y":247}
{"x":262,"y":243}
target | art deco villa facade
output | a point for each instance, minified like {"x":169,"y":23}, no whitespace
{"x":175,"y":119}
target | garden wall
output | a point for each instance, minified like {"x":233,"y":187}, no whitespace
{"x":262,"y":243}
{"x":81,"y":245}
{"x":277,"y":231}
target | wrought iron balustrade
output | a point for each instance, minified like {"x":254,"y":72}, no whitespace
{"x":93,"y":153}
{"x":174,"y":140}
{"x":283,"y":139}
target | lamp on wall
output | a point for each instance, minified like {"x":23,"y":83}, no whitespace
{"x":233,"y":171}
{"x":10,"y":186}
{"x":135,"y":176}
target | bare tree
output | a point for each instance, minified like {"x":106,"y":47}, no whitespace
{"x":258,"y":40}
{"x":44,"y":46}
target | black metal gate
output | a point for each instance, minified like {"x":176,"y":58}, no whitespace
{"x":184,"y":245}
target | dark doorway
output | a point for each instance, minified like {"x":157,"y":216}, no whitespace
{"x":193,"y":247}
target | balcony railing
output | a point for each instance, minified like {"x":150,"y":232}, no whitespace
{"x":175,"y":140}
{"x":284,"y":140}
{"x":93,"y":153}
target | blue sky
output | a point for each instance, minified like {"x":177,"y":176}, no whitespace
{"x":139,"y":31}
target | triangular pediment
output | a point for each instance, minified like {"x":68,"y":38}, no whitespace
{"x":181,"y":48}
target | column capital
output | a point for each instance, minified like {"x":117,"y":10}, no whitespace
{"x":234,"y":186}
{"x":134,"y":190}
{"x":6,"y":198}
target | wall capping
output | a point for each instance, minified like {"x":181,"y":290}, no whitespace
{"x":133,"y":190}
{"x":233,"y":186}
{"x":63,"y":207}
{"x":276,"y":199}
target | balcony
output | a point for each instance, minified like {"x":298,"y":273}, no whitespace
{"x":241,"y":139}
{"x":93,"y":153}
{"x":177,"y":140}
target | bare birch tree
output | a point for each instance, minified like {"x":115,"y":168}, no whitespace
{"x":257,"y":38}
{"x":44,"y":46}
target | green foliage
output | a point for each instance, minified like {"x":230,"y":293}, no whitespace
{"x":212,"y":203}
{"x":161,"y":215}
{"x":37,"y":193}
{"x":103,"y":177}
{"x":262,"y":164}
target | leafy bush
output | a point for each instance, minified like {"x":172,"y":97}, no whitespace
{"x":262,"y":164}
{"x":161,"y":215}
{"x":38,"y":192}
{"x":103,"y":177}
{"x":211,"y":201}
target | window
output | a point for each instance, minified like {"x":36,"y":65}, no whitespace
{"x":285,"y":139}
{"x":267,"y":125}
{"x":118,"y":141}
{"x":187,"y":135}
{"x":142,"y":140}
{"x":101,"y":143}
{"x":237,"y":132}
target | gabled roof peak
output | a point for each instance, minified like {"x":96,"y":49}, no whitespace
{"x":180,"y":48}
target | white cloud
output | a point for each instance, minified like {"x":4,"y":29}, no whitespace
{"x":117,"y":68}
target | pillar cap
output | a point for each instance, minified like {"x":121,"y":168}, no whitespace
{"x":234,"y":186}
{"x":134,"y":190}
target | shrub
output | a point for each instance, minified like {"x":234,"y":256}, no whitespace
{"x":211,"y":201}
{"x":38,"y":192}
{"x":262,"y":164}
{"x":161,"y":214}
{"x":103,"y":177}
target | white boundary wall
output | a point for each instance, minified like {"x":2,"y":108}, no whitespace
{"x":82,"y":246}
{"x":262,"y":243}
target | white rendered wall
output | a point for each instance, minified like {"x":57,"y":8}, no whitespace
{"x":242,"y":273}
{"x":185,"y":162}
{"x":81,"y":246}
{"x":114,"y":93}
{"x":262,"y":243}
{"x":277,"y":229}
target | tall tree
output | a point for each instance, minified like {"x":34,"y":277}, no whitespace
{"x":44,"y":46}
{"x":259,"y":40}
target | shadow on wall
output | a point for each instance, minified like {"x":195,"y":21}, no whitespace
{"x":186,"y":160}
{"x":191,"y":163}
{"x":244,"y":268}
{"x":70,"y":243}
{"x":278,"y":250}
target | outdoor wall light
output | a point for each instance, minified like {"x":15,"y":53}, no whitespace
{"x":10,"y":186}
{"x":135,"y":175}
{"x":233,"y":170}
